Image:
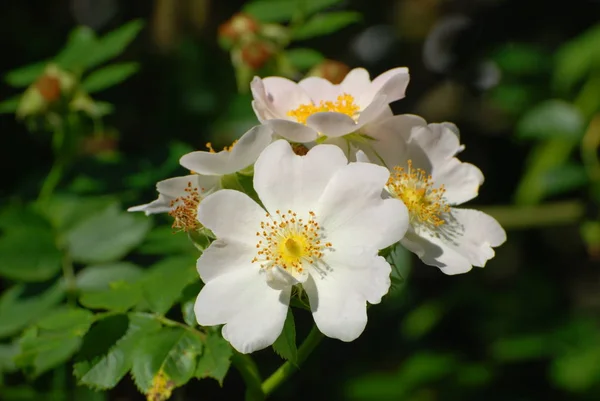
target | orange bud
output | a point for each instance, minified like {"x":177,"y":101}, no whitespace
{"x":237,"y":26}
{"x":256,"y":53}
{"x":49,"y":87}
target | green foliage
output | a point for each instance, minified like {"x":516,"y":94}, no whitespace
{"x":284,"y":10}
{"x":575,"y":59}
{"x":24,"y":76}
{"x":120,"y":297}
{"x":304,"y":58}
{"x":163,"y":241}
{"x":422,"y":319}
{"x":172,"y":351}
{"x":106,"y":235}
{"x":101,"y":277}
{"x":285,"y":345}
{"x":108,"y":76}
{"x":552,"y":119}
{"x":324,"y":24}
{"x":216,"y":358}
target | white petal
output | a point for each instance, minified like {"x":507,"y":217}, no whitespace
{"x":278,"y":95}
{"x":353,"y":213}
{"x":292,"y":130}
{"x":332,"y":124}
{"x":225,"y":256}
{"x":231,"y":215}
{"x":461,"y":181}
{"x":243,"y":154}
{"x":438,"y":141}
{"x":252,"y":311}
{"x":284,"y":180}
{"x":376,"y":109}
{"x":160,"y":205}
{"x":465,"y":240}
{"x":319,"y":89}
{"x":338,"y":296}
{"x":356,"y":83}
{"x":391,"y":83}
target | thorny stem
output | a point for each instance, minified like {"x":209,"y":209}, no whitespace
{"x":287,"y":369}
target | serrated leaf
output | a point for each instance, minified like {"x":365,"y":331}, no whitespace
{"x":75,"y":320}
{"x":285,"y":345}
{"x":114,"y":43}
{"x":106,"y":236}
{"x":29,"y":254}
{"x":216,"y":358}
{"x":304,"y":58}
{"x":552,"y":119}
{"x":167,"y":279}
{"x":26,"y":75}
{"x":99,"y":277}
{"x":120,"y":297}
{"x":82,"y":40}
{"x":324,"y":24}
{"x":107,"y":354}
{"x":163,"y":241}
{"x":108,"y":76}
{"x":172,"y":351}
{"x":17,"y":312}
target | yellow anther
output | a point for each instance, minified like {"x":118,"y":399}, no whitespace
{"x":344,"y":104}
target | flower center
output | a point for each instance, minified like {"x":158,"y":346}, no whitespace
{"x":414,"y":187}
{"x":343,"y":104}
{"x":290,"y":242}
{"x":184,"y":210}
{"x":226,"y":148}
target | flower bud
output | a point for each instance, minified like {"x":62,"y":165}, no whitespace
{"x":46,"y":91}
{"x":331,"y":70}
{"x":239,"y":25}
{"x":256,"y":53}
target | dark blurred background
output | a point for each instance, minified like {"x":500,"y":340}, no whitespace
{"x":524,"y":328}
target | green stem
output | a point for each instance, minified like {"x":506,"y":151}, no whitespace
{"x":550,"y":214}
{"x":249,"y":372}
{"x":59,"y":143}
{"x":287,"y":369}
{"x":69,"y":276}
{"x":51,"y":181}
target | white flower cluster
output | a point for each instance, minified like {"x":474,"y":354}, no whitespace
{"x":337,"y":178}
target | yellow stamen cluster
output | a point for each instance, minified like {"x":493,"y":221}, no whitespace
{"x":184,"y":209}
{"x":226,"y":148}
{"x":344,"y":104}
{"x":162,"y":387}
{"x":414,"y":187}
{"x":288,"y":241}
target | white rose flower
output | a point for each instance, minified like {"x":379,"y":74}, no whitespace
{"x":314,"y":106}
{"x":430,"y":180}
{"x":241,"y":154}
{"x":324,"y":223}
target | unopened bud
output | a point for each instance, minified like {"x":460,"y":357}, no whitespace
{"x":256,"y":53}
{"x":239,"y":25}
{"x":331,"y":70}
{"x":49,"y":87}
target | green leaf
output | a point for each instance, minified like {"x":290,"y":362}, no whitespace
{"x":216,"y":358}
{"x":163,"y":241}
{"x":17,"y":312}
{"x":81,"y":42}
{"x":106,"y":236}
{"x":29,"y":254}
{"x":7,"y":355}
{"x":324,"y":24}
{"x":521,"y":59}
{"x":304,"y":58}
{"x":284,"y":10}
{"x":171,"y":351}
{"x":575,"y":59}
{"x":552,"y":119}
{"x":100,"y":277}
{"x":55,"y":339}
{"x":108,"y":351}
{"x":26,"y":75}
{"x":285,"y":345}
{"x":108,"y":76}
{"x":564,"y":178}
{"x":10,"y":105}
{"x":113,"y":43}
{"x":165,"y":282}
{"x":64,"y":211}
{"x":120,"y":297}
{"x":522,"y":348}
{"x":422,"y":319}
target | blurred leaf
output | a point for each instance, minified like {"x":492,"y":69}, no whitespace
{"x":216,"y":358}
{"x":17,"y":312}
{"x":7,"y":355}
{"x":576,"y":58}
{"x":565,"y":178}
{"x":10,"y":105}
{"x":400,"y":260}
{"x":522,"y":59}
{"x":64,"y":211}
{"x":552,"y":119}
{"x":120,"y":297}
{"x":522,"y":348}
{"x":114,"y":43}
{"x":285,"y":345}
{"x":26,"y":75}
{"x":172,"y":351}
{"x":324,"y":24}
{"x":422,"y":319}
{"x":165,"y":282}
{"x":284,"y":10}
{"x":106,"y":236}
{"x":163,"y":241}
{"x":107,"y":352}
{"x":29,"y":254}
{"x":18,"y":216}
{"x":81,"y":42}
{"x":108,"y":76}
{"x":55,"y":339}
{"x":304,"y":58}
{"x":99,"y":277}
{"x":578,"y":370}
{"x":588,"y":100}
{"x":87,"y":394}
{"x":513,"y":98}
